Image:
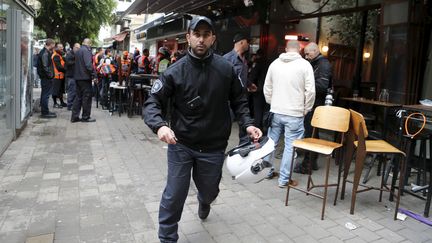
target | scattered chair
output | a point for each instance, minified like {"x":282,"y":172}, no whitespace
{"x":331,"y":118}
{"x":356,"y":140}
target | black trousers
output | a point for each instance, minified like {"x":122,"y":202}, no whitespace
{"x":183,"y":162}
{"x":83,"y":93}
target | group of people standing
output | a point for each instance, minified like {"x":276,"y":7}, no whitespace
{"x":76,"y":68}
{"x":202,"y":89}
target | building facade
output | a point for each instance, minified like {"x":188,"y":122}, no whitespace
{"x":16,"y":28}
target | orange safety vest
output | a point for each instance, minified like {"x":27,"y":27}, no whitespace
{"x":125,"y":63}
{"x":57,"y":73}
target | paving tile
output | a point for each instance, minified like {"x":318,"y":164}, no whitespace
{"x":103,"y":182}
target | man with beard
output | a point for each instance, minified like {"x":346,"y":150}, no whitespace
{"x":199,"y":87}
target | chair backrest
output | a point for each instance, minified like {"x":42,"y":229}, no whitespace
{"x":331,"y":118}
{"x":358,"y":120}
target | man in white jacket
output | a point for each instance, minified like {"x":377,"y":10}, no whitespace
{"x":289,"y":88}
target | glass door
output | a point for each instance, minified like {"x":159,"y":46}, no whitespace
{"x":6,"y":125}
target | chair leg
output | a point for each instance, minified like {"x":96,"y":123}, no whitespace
{"x":347,"y":164}
{"x":359,"y":164}
{"x":429,"y":196}
{"x":340,"y":164}
{"x":309,"y":165}
{"x":291,"y":172}
{"x":401,"y":185}
{"x":384,"y":163}
{"x":325,"y":186}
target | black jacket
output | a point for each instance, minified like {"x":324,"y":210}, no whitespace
{"x":70,"y":63}
{"x":200,"y":92}
{"x":84,"y":64}
{"x":45,"y":67}
{"x":323,"y":78}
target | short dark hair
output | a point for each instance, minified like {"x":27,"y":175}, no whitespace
{"x":107,"y":51}
{"x":49,"y":42}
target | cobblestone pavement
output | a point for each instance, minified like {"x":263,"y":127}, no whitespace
{"x":102,"y":182}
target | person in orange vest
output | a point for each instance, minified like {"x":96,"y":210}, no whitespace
{"x":59,"y":76}
{"x":106,"y":70}
{"x":97,"y":57}
{"x":144,"y":63}
{"x":124,"y":68}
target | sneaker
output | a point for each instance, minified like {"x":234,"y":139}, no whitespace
{"x":291,"y":182}
{"x":203,"y":210}
{"x":57,"y":106}
{"x":271,"y":174}
{"x":75,"y":120}
{"x":49,"y":115}
{"x":88,"y":120}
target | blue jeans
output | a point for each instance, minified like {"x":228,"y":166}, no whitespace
{"x":206,"y":172}
{"x":294,"y":130}
{"x":45,"y":94}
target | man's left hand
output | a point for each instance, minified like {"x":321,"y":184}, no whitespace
{"x":254,"y":132}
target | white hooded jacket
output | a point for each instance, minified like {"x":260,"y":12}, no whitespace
{"x":289,"y":86}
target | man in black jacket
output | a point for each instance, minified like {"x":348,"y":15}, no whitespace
{"x":70,"y":81}
{"x":200,"y":87}
{"x":323,"y":76}
{"x":45,"y":71}
{"x":84,"y":73}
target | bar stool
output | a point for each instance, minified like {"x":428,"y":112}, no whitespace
{"x":420,"y":163}
{"x":329,"y":118}
{"x":358,"y":131}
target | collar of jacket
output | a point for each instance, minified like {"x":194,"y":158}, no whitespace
{"x":317,"y":58}
{"x":200,"y":61}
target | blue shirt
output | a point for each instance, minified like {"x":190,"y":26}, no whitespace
{"x":240,"y":67}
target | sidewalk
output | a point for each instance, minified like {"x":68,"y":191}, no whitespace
{"x":102,"y":182}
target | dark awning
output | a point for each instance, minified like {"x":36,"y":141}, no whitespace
{"x":165,"y":6}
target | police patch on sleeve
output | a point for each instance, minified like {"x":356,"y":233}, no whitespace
{"x":157,"y":86}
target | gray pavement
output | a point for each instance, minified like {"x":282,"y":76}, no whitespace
{"x":102,"y":182}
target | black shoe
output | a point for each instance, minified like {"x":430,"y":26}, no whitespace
{"x":49,"y":115}
{"x":203,"y":210}
{"x":64,"y":104}
{"x":299,"y":168}
{"x":88,"y":120}
{"x":75,"y":120}
{"x":57,"y":106}
{"x":314,"y":165}
{"x":69,"y":108}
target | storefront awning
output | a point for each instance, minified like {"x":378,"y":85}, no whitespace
{"x":164,"y":6}
{"x":120,"y":36}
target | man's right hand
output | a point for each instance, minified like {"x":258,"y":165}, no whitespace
{"x":166,"y":135}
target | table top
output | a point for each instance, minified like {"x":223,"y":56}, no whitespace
{"x":371,"y":102}
{"x":418,"y":107}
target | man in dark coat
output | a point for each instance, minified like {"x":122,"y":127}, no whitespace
{"x":71,"y":85}
{"x":84,"y":73}
{"x":45,"y":71}
{"x":323,"y":81}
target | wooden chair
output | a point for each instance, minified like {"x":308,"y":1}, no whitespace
{"x":329,"y":118}
{"x":356,"y":139}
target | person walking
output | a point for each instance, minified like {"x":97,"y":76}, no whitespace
{"x":70,"y":81}
{"x":200,"y":86}
{"x":323,"y":77}
{"x":59,"y":76}
{"x":238,"y":60}
{"x":289,"y":88}
{"x":45,"y":71}
{"x":84,"y":73}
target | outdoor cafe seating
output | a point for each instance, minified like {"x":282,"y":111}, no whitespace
{"x":356,"y":138}
{"x":330,"y":118}
{"x":353,"y":146}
